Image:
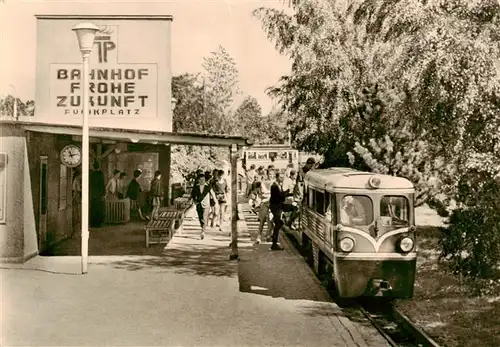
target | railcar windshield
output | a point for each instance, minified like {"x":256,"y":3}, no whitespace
{"x":394,"y":212}
{"x":356,"y":210}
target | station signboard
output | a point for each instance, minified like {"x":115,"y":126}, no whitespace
{"x":129,"y":77}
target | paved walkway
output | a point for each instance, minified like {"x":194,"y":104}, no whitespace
{"x":188,"y":294}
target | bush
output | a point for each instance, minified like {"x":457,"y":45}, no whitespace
{"x":471,"y":240}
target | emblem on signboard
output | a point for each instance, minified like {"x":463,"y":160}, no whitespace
{"x":105,"y":42}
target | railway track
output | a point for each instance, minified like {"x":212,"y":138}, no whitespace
{"x":393,"y":325}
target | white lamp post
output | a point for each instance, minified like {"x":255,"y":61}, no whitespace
{"x":85,"y":33}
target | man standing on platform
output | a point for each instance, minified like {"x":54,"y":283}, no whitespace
{"x":298,"y":191}
{"x":97,"y":192}
{"x":276,"y":207}
{"x":201,"y":194}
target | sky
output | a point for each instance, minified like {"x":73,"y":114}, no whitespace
{"x":197,"y":29}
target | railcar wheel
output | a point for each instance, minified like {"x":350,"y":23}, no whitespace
{"x":326,"y":273}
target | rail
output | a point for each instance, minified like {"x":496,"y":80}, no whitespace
{"x":396,"y":328}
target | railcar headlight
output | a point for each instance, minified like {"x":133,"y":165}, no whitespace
{"x":374,"y":181}
{"x":346,"y":244}
{"x":406,"y":244}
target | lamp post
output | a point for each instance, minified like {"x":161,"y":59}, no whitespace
{"x":85,"y":33}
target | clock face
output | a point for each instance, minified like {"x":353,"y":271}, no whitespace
{"x":71,"y":156}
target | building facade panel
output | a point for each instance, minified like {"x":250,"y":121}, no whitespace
{"x":53,"y":221}
{"x":12,"y":225}
{"x":130,"y":75}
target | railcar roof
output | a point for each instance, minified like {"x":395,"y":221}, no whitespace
{"x":339,"y":177}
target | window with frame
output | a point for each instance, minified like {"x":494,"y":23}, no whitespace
{"x":394,"y":211}
{"x":251,"y":155}
{"x":319,"y":201}
{"x":356,"y":210}
{"x":273,"y":156}
{"x":63,"y":187}
{"x":262,"y":155}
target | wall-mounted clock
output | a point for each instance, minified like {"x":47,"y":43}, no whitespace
{"x":71,"y":155}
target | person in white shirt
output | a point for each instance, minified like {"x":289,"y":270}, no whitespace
{"x":112,"y":186}
{"x":264,"y":213}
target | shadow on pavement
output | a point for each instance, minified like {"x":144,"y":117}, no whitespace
{"x":265,"y":272}
{"x":200,"y":261}
{"x":321,"y":309}
{"x":122,"y":239}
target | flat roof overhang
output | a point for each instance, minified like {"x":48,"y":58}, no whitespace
{"x":134,"y":136}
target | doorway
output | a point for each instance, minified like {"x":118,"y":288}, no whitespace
{"x":42,"y":224}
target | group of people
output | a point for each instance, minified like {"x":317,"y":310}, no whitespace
{"x":271,"y":194}
{"x":117,"y":188}
{"x":211,"y":195}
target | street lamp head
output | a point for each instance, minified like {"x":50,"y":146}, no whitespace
{"x":85,"y":32}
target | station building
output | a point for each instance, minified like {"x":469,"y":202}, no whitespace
{"x":130,"y":126}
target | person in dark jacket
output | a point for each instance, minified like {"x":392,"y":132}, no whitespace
{"x":298,"y":191}
{"x":276,"y":206}
{"x":134,"y":193}
{"x":97,"y":192}
{"x":156,"y":193}
{"x":201,"y":194}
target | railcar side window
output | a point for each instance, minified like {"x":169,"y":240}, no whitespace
{"x":251,"y":155}
{"x":262,"y":155}
{"x":273,"y":156}
{"x":394,"y":211}
{"x":356,"y":210}
{"x":319,"y":201}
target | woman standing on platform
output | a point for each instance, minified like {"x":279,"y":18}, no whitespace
{"x":134,"y":194}
{"x":122,"y":187}
{"x":112,"y":186}
{"x":221,"y":191}
{"x":156,"y":193}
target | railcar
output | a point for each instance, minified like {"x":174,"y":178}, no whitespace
{"x":358,"y":229}
{"x":277,"y":155}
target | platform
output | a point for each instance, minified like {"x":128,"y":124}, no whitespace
{"x":189,"y":294}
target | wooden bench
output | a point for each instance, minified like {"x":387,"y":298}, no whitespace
{"x":177,"y":216}
{"x":159,"y":231}
{"x":183,"y":203}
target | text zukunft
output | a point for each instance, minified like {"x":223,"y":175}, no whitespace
{"x":109,"y":88}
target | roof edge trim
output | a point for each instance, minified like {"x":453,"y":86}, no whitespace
{"x":107,"y":17}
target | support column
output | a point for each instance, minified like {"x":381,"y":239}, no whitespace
{"x":164,"y":163}
{"x":234,"y":203}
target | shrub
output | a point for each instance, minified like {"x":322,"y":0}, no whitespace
{"x":471,"y":240}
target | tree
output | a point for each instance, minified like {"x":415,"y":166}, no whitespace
{"x":26,"y":109}
{"x":409,"y":87}
{"x":250,"y":120}
{"x":414,"y":52}
{"x":220,"y":78}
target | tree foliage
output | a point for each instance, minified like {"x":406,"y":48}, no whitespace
{"x":404,"y":87}
{"x":267,"y":129}
{"x":26,"y":109}
{"x":220,"y":78}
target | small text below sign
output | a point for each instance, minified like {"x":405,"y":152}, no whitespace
{"x":121,"y":90}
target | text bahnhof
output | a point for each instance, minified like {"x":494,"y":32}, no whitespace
{"x":108,"y":84}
